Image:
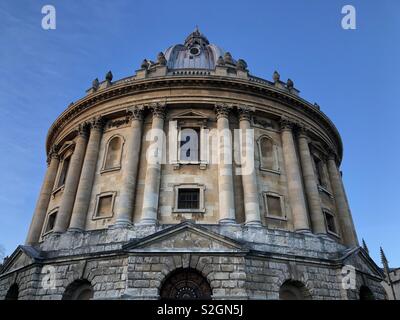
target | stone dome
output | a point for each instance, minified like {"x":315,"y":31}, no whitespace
{"x":195,"y":53}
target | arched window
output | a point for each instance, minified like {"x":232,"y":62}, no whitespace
{"x":294,"y":290}
{"x":268,"y":154}
{"x":113,"y":153}
{"x":185,"y":283}
{"x":366,"y":293}
{"x":79,"y":290}
{"x":13,"y":292}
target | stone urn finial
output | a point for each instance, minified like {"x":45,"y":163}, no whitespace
{"x":276,"y":76}
{"x":145,"y":64}
{"x":220,"y":61}
{"x":228,"y":58}
{"x":95,"y":84}
{"x":109,"y":76}
{"x":289,"y":84}
{"x":161,"y":59}
{"x":241,"y":65}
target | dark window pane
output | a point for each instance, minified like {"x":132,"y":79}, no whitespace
{"x":104,"y":207}
{"x":51,"y":221}
{"x":188,"y":198}
{"x":274,"y":206}
{"x":330,"y":222}
{"x":64,"y":172}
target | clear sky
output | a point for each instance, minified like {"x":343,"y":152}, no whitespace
{"x":352,"y":74}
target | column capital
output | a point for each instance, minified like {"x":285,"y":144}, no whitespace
{"x":82,"y":129}
{"x":158,"y":109}
{"x":97,"y":123}
{"x":332,"y":155}
{"x":222,"y":110}
{"x":286,"y":124}
{"x":245,"y":112}
{"x":53,"y":153}
{"x":135,"y":112}
{"x":302,"y":130}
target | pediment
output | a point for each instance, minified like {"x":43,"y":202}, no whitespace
{"x":360,"y":259}
{"x":21,"y":257}
{"x":190,"y":114}
{"x":185,"y":237}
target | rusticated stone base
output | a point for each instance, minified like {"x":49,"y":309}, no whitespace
{"x":237,"y":263}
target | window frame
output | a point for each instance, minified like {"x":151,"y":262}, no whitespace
{"x":282,"y":203}
{"x":190,"y":119}
{"x":329,"y":212}
{"x":96,"y":207}
{"x":66,"y":152}
{"x":276,"y":168}
{"x":46,"y":222}
{"x":201,"y":189}
{"x":106,"y":149}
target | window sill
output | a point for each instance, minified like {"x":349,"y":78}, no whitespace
{"x":58,"y":189}
{"x":278,"y":171}
{"x":324,"y":190}
{"x":110,"y":170}
{"x":201,"y":164}
{"x":334,"y":234}
{"x":276,"y":218}
{"x":103,"y":217}
{"x":189,"y":211}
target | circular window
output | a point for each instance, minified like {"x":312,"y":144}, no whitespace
{"x":194,"y":51}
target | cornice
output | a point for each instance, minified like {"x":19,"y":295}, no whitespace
{"x":127,"y":88}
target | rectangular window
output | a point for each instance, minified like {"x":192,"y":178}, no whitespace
{"x":319,"y":170}
{"x":188,"y":198}
{"x":51,"y":221}
{"x":274,"y":206}
{"x":104,"y":206}
{"x":64,"y":172}
{"x":189,"y":145}
{"x":330,"y":222}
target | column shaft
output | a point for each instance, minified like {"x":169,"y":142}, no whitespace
{"x":71,"y":183}
{"x":127,"y":198}
{"x":296,"y":194}
{"x":42,"y":204}
{"x":310,"y":183}
{"x":342,"y":207}
{"x":84,"y":192}
{"x":153,"y":171}
{"x":225,"y":179}
{"x":248,"y":173}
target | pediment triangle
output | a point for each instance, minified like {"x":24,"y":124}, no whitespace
{"x":363,"y":262}
{"x":190,"y":114}
{"x":20,"y":258}
{"x":186,"y":237}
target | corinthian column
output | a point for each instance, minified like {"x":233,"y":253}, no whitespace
{"x":310,"y":183}
{"x":342,"y":206}
{"x":127,"y":198}
{"x":153,"y":171}
{"x":249,"y":180}
{"x":296,"y":194}
{"x":72,"y":180}
{"x":81,"y":206}
{"x":225,"y":179}
{"x":44,"y":198}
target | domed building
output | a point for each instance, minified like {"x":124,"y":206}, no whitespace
{"x":149,"y":193}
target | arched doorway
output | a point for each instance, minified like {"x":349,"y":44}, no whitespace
{"x":294,"y":290}
{"x":13,"y":292}
{"x":78,"y":290}
{"x":185,"y":284}
{"x":366,"y":293}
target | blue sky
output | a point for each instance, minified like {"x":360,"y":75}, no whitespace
{"x":352,"y":74}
